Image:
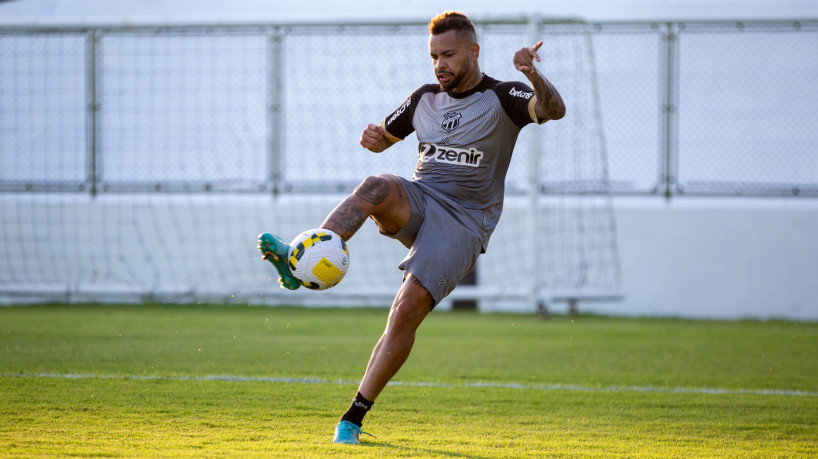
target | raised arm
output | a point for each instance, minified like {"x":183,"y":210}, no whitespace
{"x":549,"y":102}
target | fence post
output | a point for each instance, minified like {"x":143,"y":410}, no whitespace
{"x":669,"y":160}
{"x":92,"y":112}
{"x":534,"y":147}
{"x":275,"y":111}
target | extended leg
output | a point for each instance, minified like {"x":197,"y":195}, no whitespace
{"x":412,"y":304}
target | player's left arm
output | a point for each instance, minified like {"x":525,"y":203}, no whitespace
{"x":549,"y":105}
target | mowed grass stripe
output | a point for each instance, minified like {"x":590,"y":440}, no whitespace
{"x":465,"y":385}
{"x":335,"y":344}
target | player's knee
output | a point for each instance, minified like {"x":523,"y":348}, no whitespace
{"x":373,"y":190}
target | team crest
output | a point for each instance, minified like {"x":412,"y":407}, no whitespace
{"x":451,"y":120}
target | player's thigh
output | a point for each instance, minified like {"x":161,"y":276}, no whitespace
{"x":444,"y":251}
{"x":393,"y":212}
{"x":412,"y":304}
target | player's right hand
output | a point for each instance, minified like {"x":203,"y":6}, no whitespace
{"x":374,"y":139}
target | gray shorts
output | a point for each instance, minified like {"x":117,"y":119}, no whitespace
{"x":441,"y":249}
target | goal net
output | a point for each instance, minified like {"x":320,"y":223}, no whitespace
{"x":141,"y":163}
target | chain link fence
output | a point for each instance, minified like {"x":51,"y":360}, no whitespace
{"x":718,"y":108}
{"x":747,"y":110}
{"x":687,"y":108}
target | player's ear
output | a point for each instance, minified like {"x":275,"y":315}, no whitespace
{"x":475,"y":51}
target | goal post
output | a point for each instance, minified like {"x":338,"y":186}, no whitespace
{"x":140,"y":163}
{"x":558,"y":220}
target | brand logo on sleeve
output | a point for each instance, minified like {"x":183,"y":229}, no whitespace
{"x":451,"y":120}
{"x":400,"y":111}
{"x":430,"y":152}
{"x":524,"y":94}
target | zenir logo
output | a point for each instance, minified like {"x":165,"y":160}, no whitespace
{"x":451,"y":120}
{"x":428,"y":152}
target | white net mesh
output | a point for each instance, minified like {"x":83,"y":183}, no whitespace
{"x":142,"y":163}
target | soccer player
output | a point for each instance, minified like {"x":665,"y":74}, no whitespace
{"x":467,"y":126}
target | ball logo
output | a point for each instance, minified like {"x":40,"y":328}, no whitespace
{"x":451,"y":120}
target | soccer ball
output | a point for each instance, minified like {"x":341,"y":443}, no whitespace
{"x":318,"y":258}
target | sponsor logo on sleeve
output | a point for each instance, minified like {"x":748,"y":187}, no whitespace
{"x":399,"y":111}
{"x":524,"y":94}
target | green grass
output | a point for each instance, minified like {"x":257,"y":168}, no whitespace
{"x":134,"y":381}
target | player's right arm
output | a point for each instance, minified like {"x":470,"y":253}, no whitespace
{"x":376,"y":139}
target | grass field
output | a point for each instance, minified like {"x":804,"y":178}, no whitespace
{"x":156,"y":380}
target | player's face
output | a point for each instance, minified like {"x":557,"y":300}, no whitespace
{"x":454,"y":59}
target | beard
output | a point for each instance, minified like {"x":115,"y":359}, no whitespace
{"x":455,"y":81}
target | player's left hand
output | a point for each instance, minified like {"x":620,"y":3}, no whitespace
{"x":525,"y":57}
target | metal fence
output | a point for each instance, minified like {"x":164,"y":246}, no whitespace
{"x":710,"y":108}
{"x":716,"y":108}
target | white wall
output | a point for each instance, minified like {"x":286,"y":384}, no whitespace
{"x":717,"y":258}
{"x":689,"y":257}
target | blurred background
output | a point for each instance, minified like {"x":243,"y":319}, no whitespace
{"x":144,"y":144}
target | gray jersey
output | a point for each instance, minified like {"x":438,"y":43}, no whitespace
{"x":465,"y":145}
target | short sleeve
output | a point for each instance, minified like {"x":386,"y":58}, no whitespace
{"x":399,"y":124}
{"x":518,"y":101}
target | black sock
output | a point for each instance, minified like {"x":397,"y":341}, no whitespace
{"x":357,"y":410}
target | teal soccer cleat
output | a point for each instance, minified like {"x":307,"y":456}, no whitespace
{"x":348,"y":433}
{"x":275,"y":251}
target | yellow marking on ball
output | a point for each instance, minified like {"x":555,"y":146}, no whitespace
{"x":304,"y":245}
{"x":327,"y":272}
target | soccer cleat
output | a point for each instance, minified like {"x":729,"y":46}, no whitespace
{"x":275,"y":251}
{"x":348,"y":433}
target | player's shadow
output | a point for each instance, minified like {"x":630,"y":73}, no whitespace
{"x":422,"y":451}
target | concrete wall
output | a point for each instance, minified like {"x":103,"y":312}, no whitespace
{"x":717,"y":258}
{"x":688,"y":257}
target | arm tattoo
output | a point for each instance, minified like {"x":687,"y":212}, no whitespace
{"x":549,"y":102}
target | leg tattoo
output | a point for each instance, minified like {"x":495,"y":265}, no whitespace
{"x":373,"y":190}
{"x":417,"y":282}
{"x":348,"y":217}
